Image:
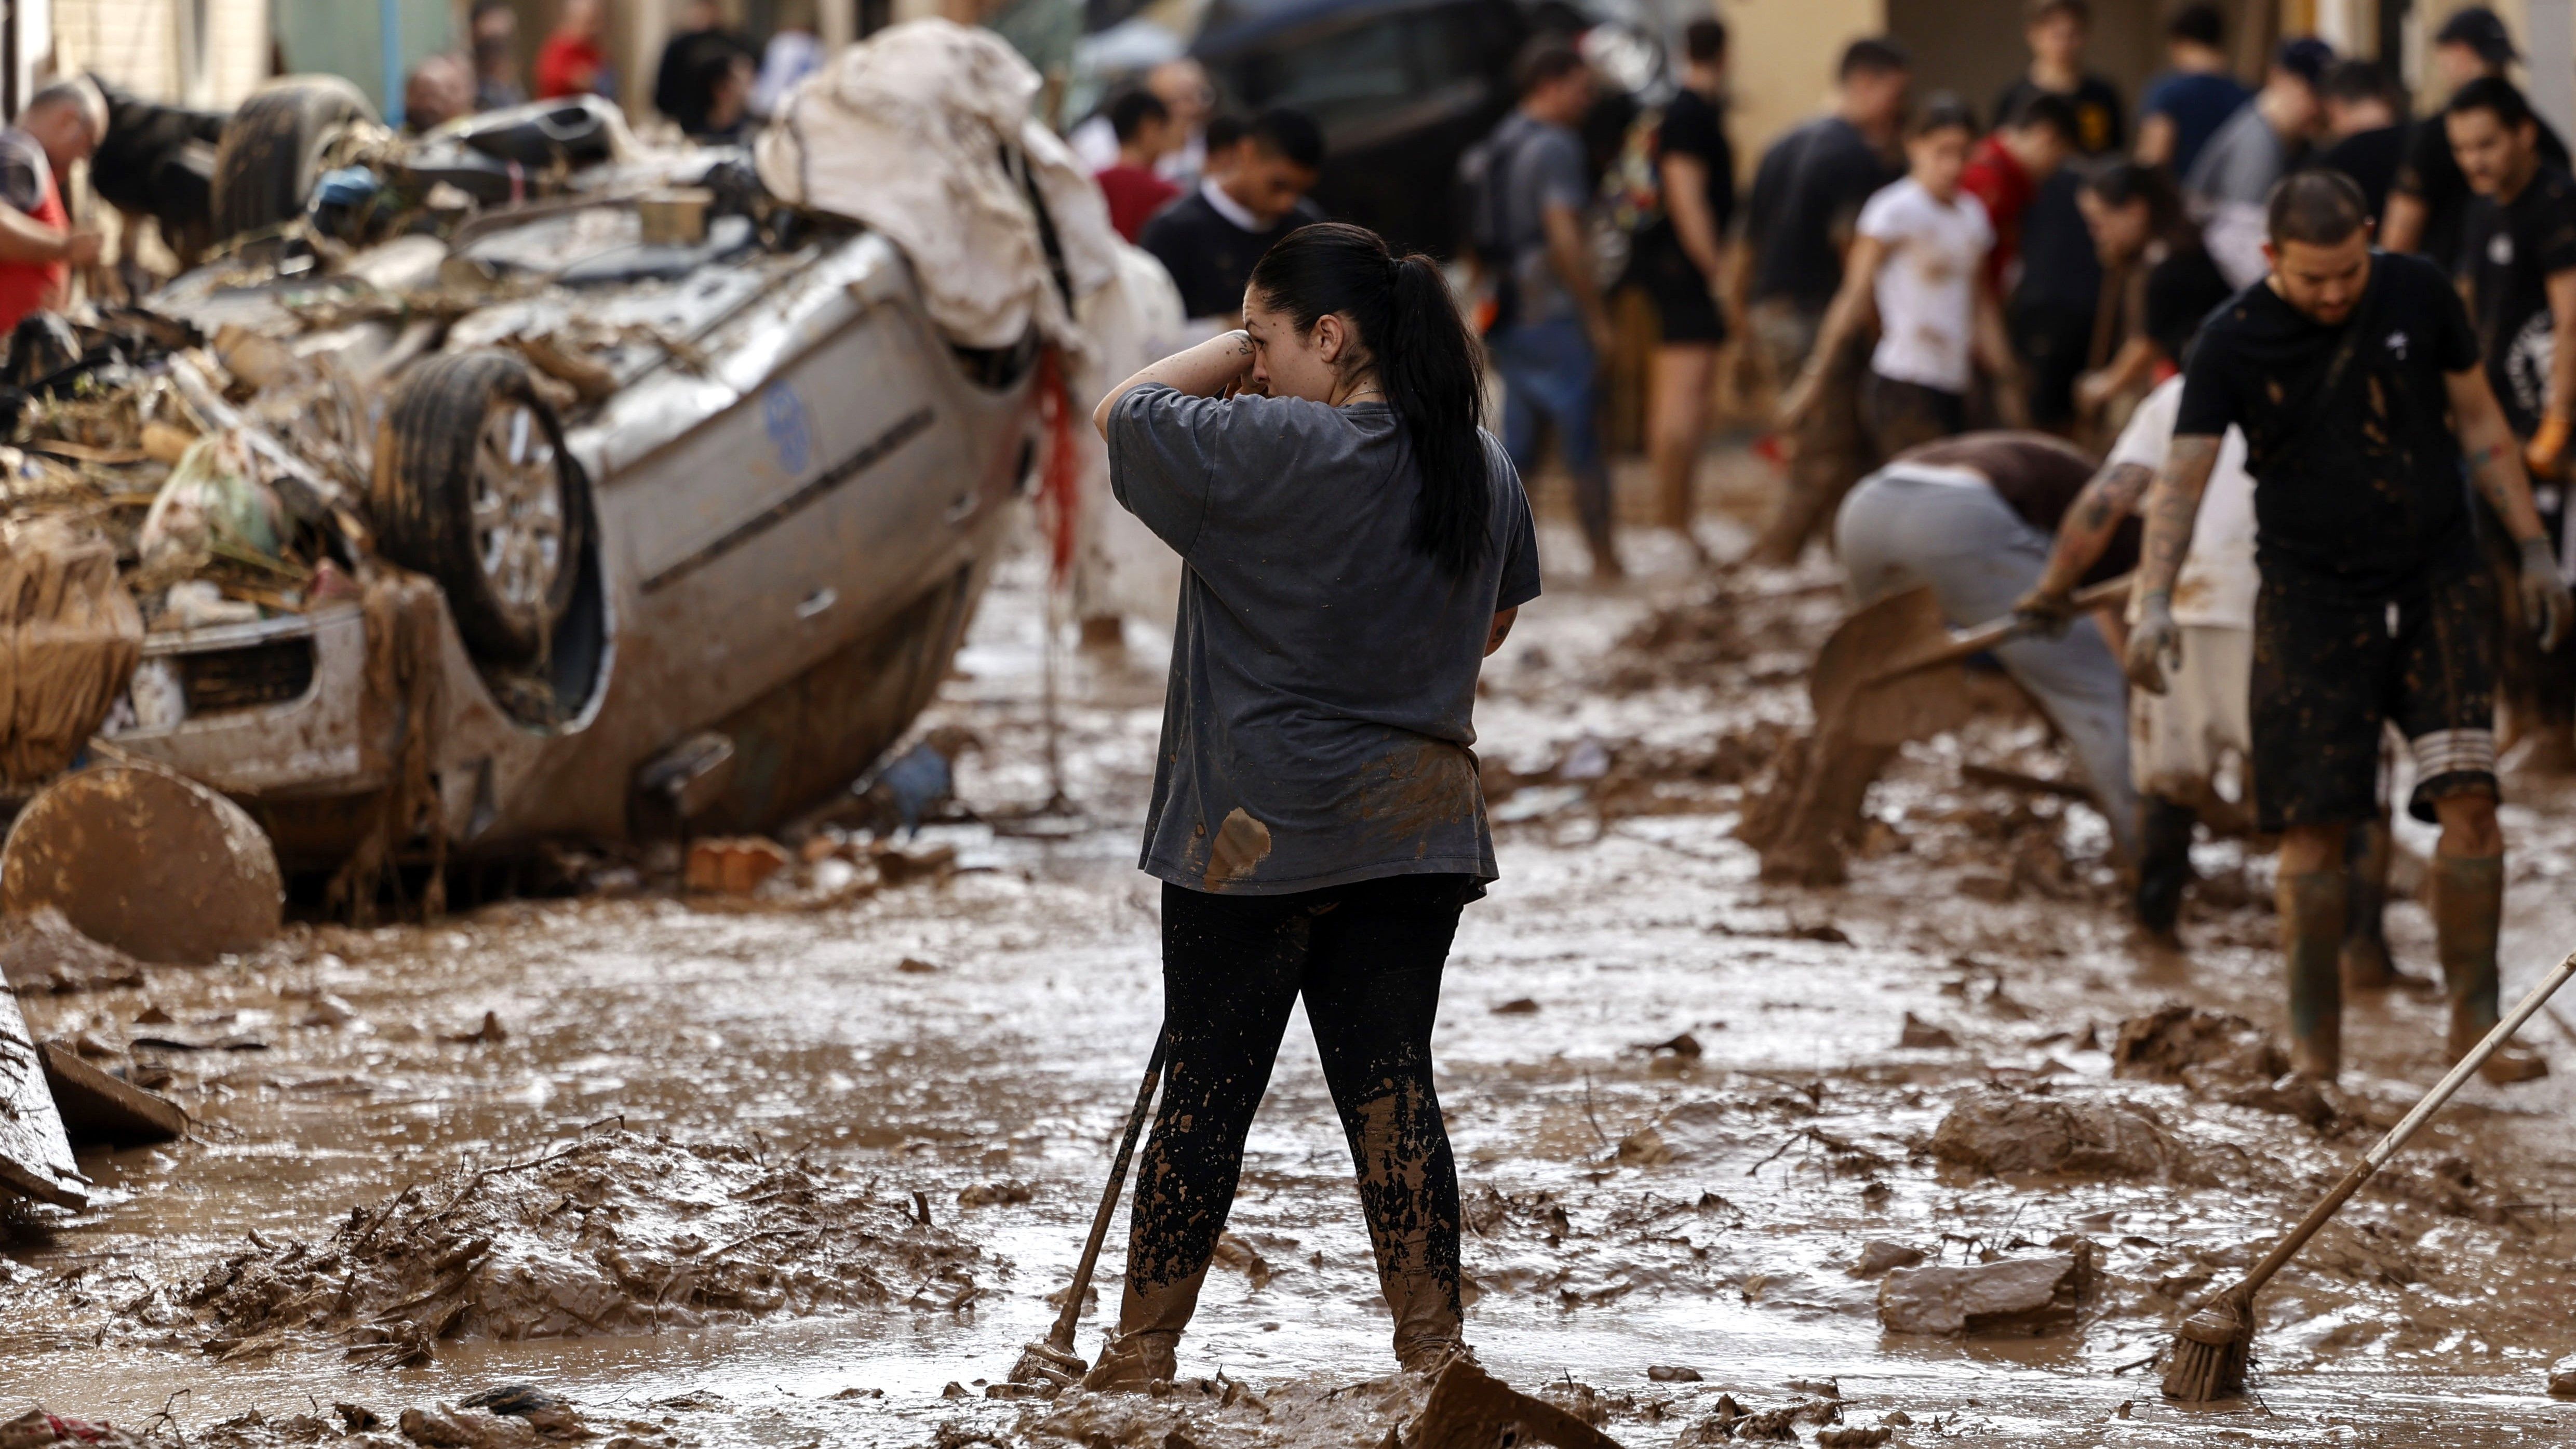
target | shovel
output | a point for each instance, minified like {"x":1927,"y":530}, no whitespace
{"x":1894,"y":641}
{"x":1876,"y":684}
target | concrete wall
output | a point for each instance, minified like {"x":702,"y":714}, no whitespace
{"x":346,"y":38}
{"x":1782,"y":70}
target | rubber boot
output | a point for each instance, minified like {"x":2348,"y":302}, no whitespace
{"x":2312,"y":919}
{"x":1146,"y":1347}
{"x":2367,"y":964}
{"x":1595,"y":509}
{"x":2466,"y":894}
{"x":1397,"y":1145}
{"x":2164,"y":864}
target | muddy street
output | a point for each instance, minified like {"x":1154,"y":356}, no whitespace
{"x":803,"y":1167}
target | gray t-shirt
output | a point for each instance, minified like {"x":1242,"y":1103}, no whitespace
{"x":1318,"y":722}
{"x":2241,"y":161}
{"x":1541,"y":165}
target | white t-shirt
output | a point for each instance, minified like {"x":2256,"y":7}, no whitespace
{"x":1927,"y":288}
{"x":2217,"y":584}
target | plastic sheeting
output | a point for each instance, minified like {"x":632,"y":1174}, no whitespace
{"x":1119,"y":566}
{"x":914,"y":133}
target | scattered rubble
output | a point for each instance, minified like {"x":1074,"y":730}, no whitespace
{"x":2009,"y":1295}
{"x":617,"y":1233}
{"x":41,"y":952}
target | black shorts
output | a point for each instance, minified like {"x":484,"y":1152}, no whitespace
{"x":1683,"y":305}
{"x":2330,"y":674}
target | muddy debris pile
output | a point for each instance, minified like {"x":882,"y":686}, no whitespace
{"x":2037,"y":1132}
{"x":2007,"y":1295}
{"x":1316,"y":1411}
{"x":2220,"y":1057}
{"x":506,"y":1416}
{"x":616,"y":1234}
{"x":41,"y":953}
{"x":1758,"y":636}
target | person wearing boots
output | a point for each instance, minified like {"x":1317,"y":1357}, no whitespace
{"x":2358,"y":383}
{"x":1357,"y":545}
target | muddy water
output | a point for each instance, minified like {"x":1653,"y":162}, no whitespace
{"x":1630,"y":1208}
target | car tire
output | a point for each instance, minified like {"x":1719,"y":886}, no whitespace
{"x":473,"y":488}
{"x":273,"y":146}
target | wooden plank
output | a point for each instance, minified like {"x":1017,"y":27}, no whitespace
{"x":35,"y":1154}
{"x":97,"y":1107}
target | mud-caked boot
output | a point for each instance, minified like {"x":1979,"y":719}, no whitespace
{"x":2466,"y":894}
{"x":1427,"y":1330}
{"x":2312,"y":920}
{"x":2164,"y":864}
{"x":1145,"y":1349}
{"x":2367,"y":965}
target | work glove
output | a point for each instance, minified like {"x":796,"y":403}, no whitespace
{"x":2544,"y":592}
{"x":2547,"y":447}
{"x":2045,"y":612}
{"x":2155,"y":643}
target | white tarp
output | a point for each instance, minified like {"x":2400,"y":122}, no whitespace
{"x":906,"y":132}
{"x":1119,"y":566}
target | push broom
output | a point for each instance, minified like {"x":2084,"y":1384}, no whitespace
{"x":2209,"y":1350}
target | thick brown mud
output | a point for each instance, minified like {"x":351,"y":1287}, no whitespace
{"x":1701,"y":1120}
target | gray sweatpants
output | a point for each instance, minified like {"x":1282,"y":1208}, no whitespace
{"x":1944,"y":527}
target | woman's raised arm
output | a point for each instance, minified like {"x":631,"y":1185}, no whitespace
{"x":1206,"y":370}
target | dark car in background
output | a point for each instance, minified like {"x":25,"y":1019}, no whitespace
{"x":1403,"y":87}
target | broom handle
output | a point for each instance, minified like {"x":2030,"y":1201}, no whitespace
{"x":2388,"y":1145}
{"x":1996,"y":631}
{"x":1060,"y":1337}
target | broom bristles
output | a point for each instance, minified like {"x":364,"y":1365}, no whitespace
{"x":2209,"y":1351}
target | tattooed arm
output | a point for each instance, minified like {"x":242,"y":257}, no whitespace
{"x":2548,"y":446}
{"x":2173,"y":506}
{"x":2495,"y":469}
{"x":1206,"y":370}
{"x":2084,"y":534}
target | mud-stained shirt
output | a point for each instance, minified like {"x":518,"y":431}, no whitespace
{"x":1318,"y":724}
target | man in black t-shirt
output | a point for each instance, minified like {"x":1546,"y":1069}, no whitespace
{"x":2363,"y":110}
{"x":2429,"y":203}
{"x":1681,"y":262}
{"x":2518,"y":269}
{"x":2356,"y":379}
{"x":1806,"y":196}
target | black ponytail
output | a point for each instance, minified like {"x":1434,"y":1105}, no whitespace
{"x":1430,"y":367}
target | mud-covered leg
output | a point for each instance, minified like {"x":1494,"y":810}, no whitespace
{"x":1230,"y":968}
{"x":1372,"y":993}
{"x":2310,"y":894}
{"x":2367,"y":964}
{"x":2164,"y":863}
{"x":2467,"y":899}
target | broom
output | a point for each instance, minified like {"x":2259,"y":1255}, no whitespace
{"x":2209,"y":1349}
{"x":1051,"y":1363}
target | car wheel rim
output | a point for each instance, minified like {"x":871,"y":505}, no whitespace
{"x":518,"y":510}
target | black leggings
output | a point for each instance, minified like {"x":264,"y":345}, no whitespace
{"x":1367,"y":958}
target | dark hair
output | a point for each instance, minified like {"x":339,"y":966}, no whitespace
{"x":1543,"y":61}
{"x":2049,"y":110}
{"x":2305,"y":57}
{"x":2200,"y":23}
{"x":1873,"y":55}
{"x":1704,"y":40}
{"x":2130,"y":183}
{"x":1131,"y":109}
{"x":2039,"y":10}
{"x":2353,"y":81}
{"x":1943,"y":112}
{"x":1289,"y":134}
{"x":1426,"y":360}
{"x":1224,"y":132}
{"x":2498,"y":97}
{"x":2319,"y":208}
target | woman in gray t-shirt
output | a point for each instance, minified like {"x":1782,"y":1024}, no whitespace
{"x":1356,"y":544}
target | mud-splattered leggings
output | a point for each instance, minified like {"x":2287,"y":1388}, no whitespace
{"x":1367,"y":958}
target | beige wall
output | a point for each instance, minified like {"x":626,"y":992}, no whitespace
{"x":145,"y":45}
{"x":1782,"y":63}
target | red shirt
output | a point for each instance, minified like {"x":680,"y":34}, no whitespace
{"x":1996,"y":178}
{"x":568,"y":65}
{"x":1135,"y":194}
{"x":31,"y":286}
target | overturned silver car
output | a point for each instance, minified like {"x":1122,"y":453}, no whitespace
{"x":688,"y":499}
